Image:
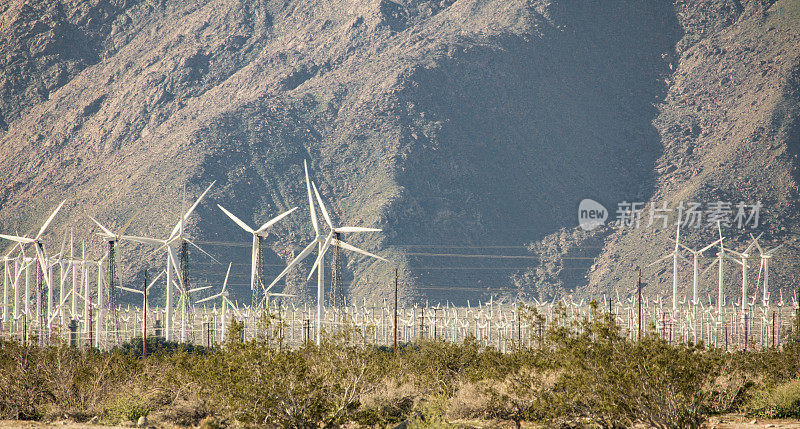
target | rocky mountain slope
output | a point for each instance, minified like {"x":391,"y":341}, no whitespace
{"x":730,"y":126}
{"x":457,"y":126}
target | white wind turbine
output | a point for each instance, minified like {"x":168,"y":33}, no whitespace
{"x":8,"y":278}
{"x":41,"y":255}
{"x":720,"y":261}
{"x":256,"y":249}
{"x":744,"y":255}
{"x":175,"y":238}
{"x":696,"y":254}
{"x":674,"y":255}
{"x":766,"y":255}
{"x":322,"y":246}
{"x":143,"y":293}
{"x":225,"y":301}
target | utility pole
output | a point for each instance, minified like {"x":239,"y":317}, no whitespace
{"x":639,"y":292}
{"x":395,"y":310}
{"x":144,"y":317}
{"x":773,"y":329}
{"x":422,"y":323}
{"x":519,"y":327}
{"x":91,"y":333}
{"x":744,"y":313}
{"x":797,"y":315}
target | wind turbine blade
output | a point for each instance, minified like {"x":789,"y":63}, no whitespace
{"x":311,"y":201}
{"x":710,"y":246}
{"x":153,"y":282}
{"x":130,"y":290}
{"x":130,"y":221}
{"x":233,"y":307}
{"x":209,"y":298}
{"x":24,"y":240}
{"x":351,"y":248}
{"x":63,"y":245}
{"x":238,"y":221}
{"x":705,"y":270}
{"x":106,"y":231}
{"x":287,"y":295}
{"x":179,"y":227}
{"x":296,"y":261}
{"x":50,"y":219}
{"x":735,"y":252}
{"x":677,"y":236}
{"x":200,"y":249}
{"x":225,"y":283}
{"x":174,"y":257}
{"x":43,"y":263}
{"x":17,"y":244}
{"x":324,"y":249}
{"x":733,"y":259}
{"x":198,"y":289}
{"x":755,"y":241}
{"x":760,"y":268}
{"x":275,"y":220}
{"x":322,"y":206}
{"x":659,"y":260}
{"x":770,"y":252}
{"x":357,"y":229}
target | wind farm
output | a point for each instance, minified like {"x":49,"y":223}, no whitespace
{"x":97,"y":318}
{"x":400,"y":213}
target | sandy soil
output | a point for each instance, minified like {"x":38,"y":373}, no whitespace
{"x":738,"y":421}
{"x":56,"y":424}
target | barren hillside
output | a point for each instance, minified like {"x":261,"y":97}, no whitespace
{"x":452,"y":124}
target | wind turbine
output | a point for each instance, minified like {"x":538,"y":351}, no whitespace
{"x":255,"y":254}
{"x":7,"y":278}
{"x":720,"y":273}
{"x":696,"y":254}
{"x":113,"y":239}
{"x":143,"y":293}
{"x":744,"y":255}
{"x":765,"y":257}
{"x":332,"y":239}
{"x":225,"y":301}
{"x":674,"y":255}
{"x":176,"y":238}
{"x":41,"y":255}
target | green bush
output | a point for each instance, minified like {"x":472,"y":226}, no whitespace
{"x":783,"y":401}
{"x":580,"y":372}
{"x":129,"y":406}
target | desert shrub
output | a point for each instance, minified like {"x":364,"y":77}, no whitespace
{"x":127,"y":406}
{"x":782,"y":401}
{"x":301,"y":387}
{"x":608,"y":380}
{"x":668,"y":384}
{"x":156,"y":345}
{"x":430,"y":414}
{"x":389,"y":403}
{"x":470,"y":401}
{"x":729,"y":389}
{"x":438,"y":366}
{"x":580,"y":372}
{"x":23,"y":386}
